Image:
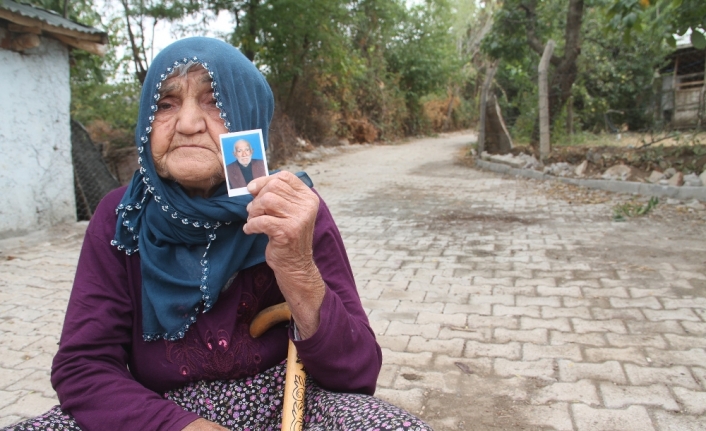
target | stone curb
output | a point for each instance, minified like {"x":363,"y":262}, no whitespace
{"x":657,"y":190}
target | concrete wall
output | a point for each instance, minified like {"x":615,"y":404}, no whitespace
{"x":36,"y":174}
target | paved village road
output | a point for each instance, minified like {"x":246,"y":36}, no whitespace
{"x":498,"y":305}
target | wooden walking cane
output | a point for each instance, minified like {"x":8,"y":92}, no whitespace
{"x":295,"y":378}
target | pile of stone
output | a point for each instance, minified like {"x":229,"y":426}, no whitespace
{"x":670,"y":177}
{"x":561,"y":169}
{"x":520,"y":161}
{"x":505,"y":159}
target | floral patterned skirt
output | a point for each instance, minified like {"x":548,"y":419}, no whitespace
{"x":255,"y":403}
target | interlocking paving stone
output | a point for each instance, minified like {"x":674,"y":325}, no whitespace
{"x":696,"y":357}
{"x":700,"y":374}
{"x":672,"y":376}
{"x":539,"y":368}
{"x":621,"y":340}
{"x":624,"y":355}
{"x":496,"y":302}
{"x":611,"y":371}
{"x":582,"y":391}
{"x":669,"y":421}
{"x":532,"y":352}
{"x":555,"y":415}
{"x":693,"y":401}
{"x":616,"y":396}
{"x":583,"y":326}
{"x":560,"y":324}
{"x":580,"y":312}
{"x":502,"y":335}
{"x":634,"y":418}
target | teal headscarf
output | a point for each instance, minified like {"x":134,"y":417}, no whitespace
{"x":190,"y":248}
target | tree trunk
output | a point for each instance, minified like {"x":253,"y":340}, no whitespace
{"x":544,"y":119}
{"x":489,"y":73}
{"x":570,"y":118}
{"x":137,"y":55}
{"x":295,"y":80}
{"x":249,"y":47}
{"x":565,"y":69}
{"x":497,"y":138}
{"x":449,"y":108}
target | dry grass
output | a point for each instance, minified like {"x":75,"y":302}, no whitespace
{"x":436,"y":111}
{"x":632,"y":139}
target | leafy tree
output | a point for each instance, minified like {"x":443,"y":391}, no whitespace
{"x":351,"y":63}
{"x":522,"y":23}
{"x":375,"y":92}
{"x":248,"y":17}
{"x":89,"y":65}
{"x":616,"y":76}
{"x":611,"y":76}
{"x":140,"y":15}
{"x":669,"y":16}
{"x":98,"y":93}
{"x":301,"y":46}
{"x":470,"y":23}
{"x":423,"y":56}
{"x":346,"y":60}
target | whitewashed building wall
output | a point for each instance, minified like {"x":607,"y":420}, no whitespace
{"x":36,"y":173}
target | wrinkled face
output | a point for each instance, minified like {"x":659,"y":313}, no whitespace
{"x":185,"y":142}
{"x":243,"y":152}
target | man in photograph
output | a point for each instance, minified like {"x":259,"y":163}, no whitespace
{"x":245,"y":168}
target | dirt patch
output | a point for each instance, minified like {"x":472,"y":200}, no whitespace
{"x":470,"y":408}
{"x":484,"y":413}
{"x":402,"y":203}
{"x":456,"y":216}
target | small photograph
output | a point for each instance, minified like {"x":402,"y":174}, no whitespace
{"x":244,"y":159}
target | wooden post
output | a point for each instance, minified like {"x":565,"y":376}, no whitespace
{"x":544,"y":143}
{"x":489,"y":74}
{"x":702,"y":101}
{"x":675,"y":87}
{"x":657,"y":91}
{"x":570,"y":117}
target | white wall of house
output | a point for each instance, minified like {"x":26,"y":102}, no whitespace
{"x":36,"y":173}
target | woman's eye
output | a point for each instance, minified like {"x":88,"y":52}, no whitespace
{"x":163,"y":105}
{"x":210,"y":100}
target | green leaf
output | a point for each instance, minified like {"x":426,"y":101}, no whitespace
{"x":698,"y":39}
{"x":630,"y":19}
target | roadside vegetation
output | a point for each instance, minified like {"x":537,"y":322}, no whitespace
{"x":378,"y":70}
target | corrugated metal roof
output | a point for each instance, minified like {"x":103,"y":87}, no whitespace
{"x":47,"y":17}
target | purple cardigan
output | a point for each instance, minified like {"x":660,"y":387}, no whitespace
{"x":108,"y":378}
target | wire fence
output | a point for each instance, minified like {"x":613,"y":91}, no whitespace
{"x":92,"y":178}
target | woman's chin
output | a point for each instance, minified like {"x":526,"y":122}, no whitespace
{"x":184,"y":169}
{"x":198,"y":179}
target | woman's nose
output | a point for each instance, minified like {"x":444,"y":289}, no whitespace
{"x":191,"y":118}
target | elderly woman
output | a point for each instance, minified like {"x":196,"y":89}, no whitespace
{"x":172,"y":272}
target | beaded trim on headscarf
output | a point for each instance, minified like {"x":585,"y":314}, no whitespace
{"x":122,"y":210}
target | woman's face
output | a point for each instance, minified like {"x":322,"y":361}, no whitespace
{"x":185,"y":142}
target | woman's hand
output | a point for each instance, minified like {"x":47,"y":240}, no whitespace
{"x":285,"y":209}
{"x":203,"y":425}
